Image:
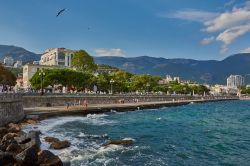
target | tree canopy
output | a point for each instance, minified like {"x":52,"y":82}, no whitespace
{"x":7,"y":77}
{"x":82,"y":61}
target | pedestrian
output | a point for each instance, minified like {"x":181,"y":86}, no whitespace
{"x":85,"y":104}
{"x":67,"y":105}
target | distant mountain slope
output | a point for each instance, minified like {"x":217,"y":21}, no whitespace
{"x":17,"y":53}
{"x":210,"y":71}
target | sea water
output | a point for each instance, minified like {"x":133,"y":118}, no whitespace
{"x":197,"y":134}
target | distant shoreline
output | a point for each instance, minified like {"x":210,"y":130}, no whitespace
{"x":59,"y":111}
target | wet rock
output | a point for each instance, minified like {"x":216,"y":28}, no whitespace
{"x":31,"y":121}
{"x":60,"y":144}
{"x":28,"y":157}
{"x":14,"y":148}
{"x":51,"y":139}
{"x":46,"y":158}
{"x":30,"y":139}
{"x":3,"y":131}
{"x":7,"y":140}
{"x":14,"y":129}
{"x":6,"y":159}
{"x":119,"y":142}
{"x":13,"y":125}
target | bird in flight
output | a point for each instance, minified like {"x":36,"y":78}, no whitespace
{"x":60,"y":12}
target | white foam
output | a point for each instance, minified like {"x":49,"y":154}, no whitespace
{"x":158,"y":118}
{"x":129,"y":139}
{"x":94,"y":116}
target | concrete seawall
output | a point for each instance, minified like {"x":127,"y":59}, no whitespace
{"x":11,"y":108}
{"x":61,"y":100}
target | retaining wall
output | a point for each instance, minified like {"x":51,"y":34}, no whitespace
{"x":53,"y":100}
{"x":11,"y":108}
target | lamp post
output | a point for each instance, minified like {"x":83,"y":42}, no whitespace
{"x":42,"y":74}
{"x":111,"y":85}
{"x":147,"y":85}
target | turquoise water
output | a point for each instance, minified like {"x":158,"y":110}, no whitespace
{"x":195,"y":134}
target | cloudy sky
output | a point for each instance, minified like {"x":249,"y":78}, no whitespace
{"x":197,"y":29}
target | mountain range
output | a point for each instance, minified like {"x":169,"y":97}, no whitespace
{"x":206,"y":71}
{"x":203,"y":71}
{"x":17,"y":53}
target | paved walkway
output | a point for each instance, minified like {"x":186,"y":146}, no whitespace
{"x":45,"y":112}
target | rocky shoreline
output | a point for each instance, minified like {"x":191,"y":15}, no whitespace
{"x":18,"y":148}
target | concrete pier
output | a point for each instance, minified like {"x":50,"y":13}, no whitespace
{"x":79,"y":110}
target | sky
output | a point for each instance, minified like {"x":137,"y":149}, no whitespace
{"x":194,"y":29}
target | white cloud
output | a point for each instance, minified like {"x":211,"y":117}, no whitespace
{"x":230,"y":3}
{"x":109,"y":52}
{"x":191,"y":15}
{"x":247,"y":50}
{"x":226,"y":26}
{"x":223,"y":49}
{"x":229,"y":35}
{"x":207,"y":41}
{"x":228,"y":20}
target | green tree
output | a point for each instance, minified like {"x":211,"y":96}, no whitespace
{"x":7,"y":77}
{"x":82,"y":61}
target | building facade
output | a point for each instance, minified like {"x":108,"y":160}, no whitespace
{"x":18,"y":64}
{"x":235,"y":81}
{"x":30,"y":69}
{"x":57,"y":57}
{"x":8,"y":61}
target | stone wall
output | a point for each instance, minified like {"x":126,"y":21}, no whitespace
{"x":61,"y":100}
{"x":11,"y":108}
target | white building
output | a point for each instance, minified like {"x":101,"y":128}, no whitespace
{"x":8,"y":61}
{"x":234,"y":81}
{"x":30,"y":69}
{"x":18,"y":64}
{"x":169,"y":79}
{"x":57,"y":57}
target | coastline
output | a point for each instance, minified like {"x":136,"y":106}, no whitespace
{"x":41,"y":113}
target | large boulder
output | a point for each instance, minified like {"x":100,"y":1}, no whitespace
{"x":6,"y":159}
{"x":14,"y":128}
{"x":119,"y":142}
{"x":60,"y":144}
{"x":30,"y":139}
{"x":28,"y":157}
{"x":46,"y":158}
{"x":51,"y":139}
{"x":14,"y":148}
{"x":3,"y":131}
{"x":7,"y":140}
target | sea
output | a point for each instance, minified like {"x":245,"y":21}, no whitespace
{"x":215,"y":133}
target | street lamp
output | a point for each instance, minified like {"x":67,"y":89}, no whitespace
{"x":42,"y":74}
{"x":111,"y":85}
{"x":148,"y":85}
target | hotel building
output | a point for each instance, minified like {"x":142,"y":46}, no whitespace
{"x":234,"y":81}
{"x":57,"y":57}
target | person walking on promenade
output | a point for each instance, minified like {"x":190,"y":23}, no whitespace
{"x":85,"y":104}
{"x":67,"y":105}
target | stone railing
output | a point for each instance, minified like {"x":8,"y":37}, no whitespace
{"x":11,"y":108}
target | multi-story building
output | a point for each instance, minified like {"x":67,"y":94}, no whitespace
{"x":8,"y":61}
{"x":57,"y":57}
{"x":30,"y":69}
{"x":18,"y":64}
{"x":169,"y":79}
{"x":234,"y":81}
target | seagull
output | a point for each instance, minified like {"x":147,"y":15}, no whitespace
{"x":60,"y":12}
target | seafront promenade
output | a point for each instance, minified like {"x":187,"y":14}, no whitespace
{"x":80,"y":110}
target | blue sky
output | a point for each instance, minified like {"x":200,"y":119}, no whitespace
{"x":197,"y":29}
